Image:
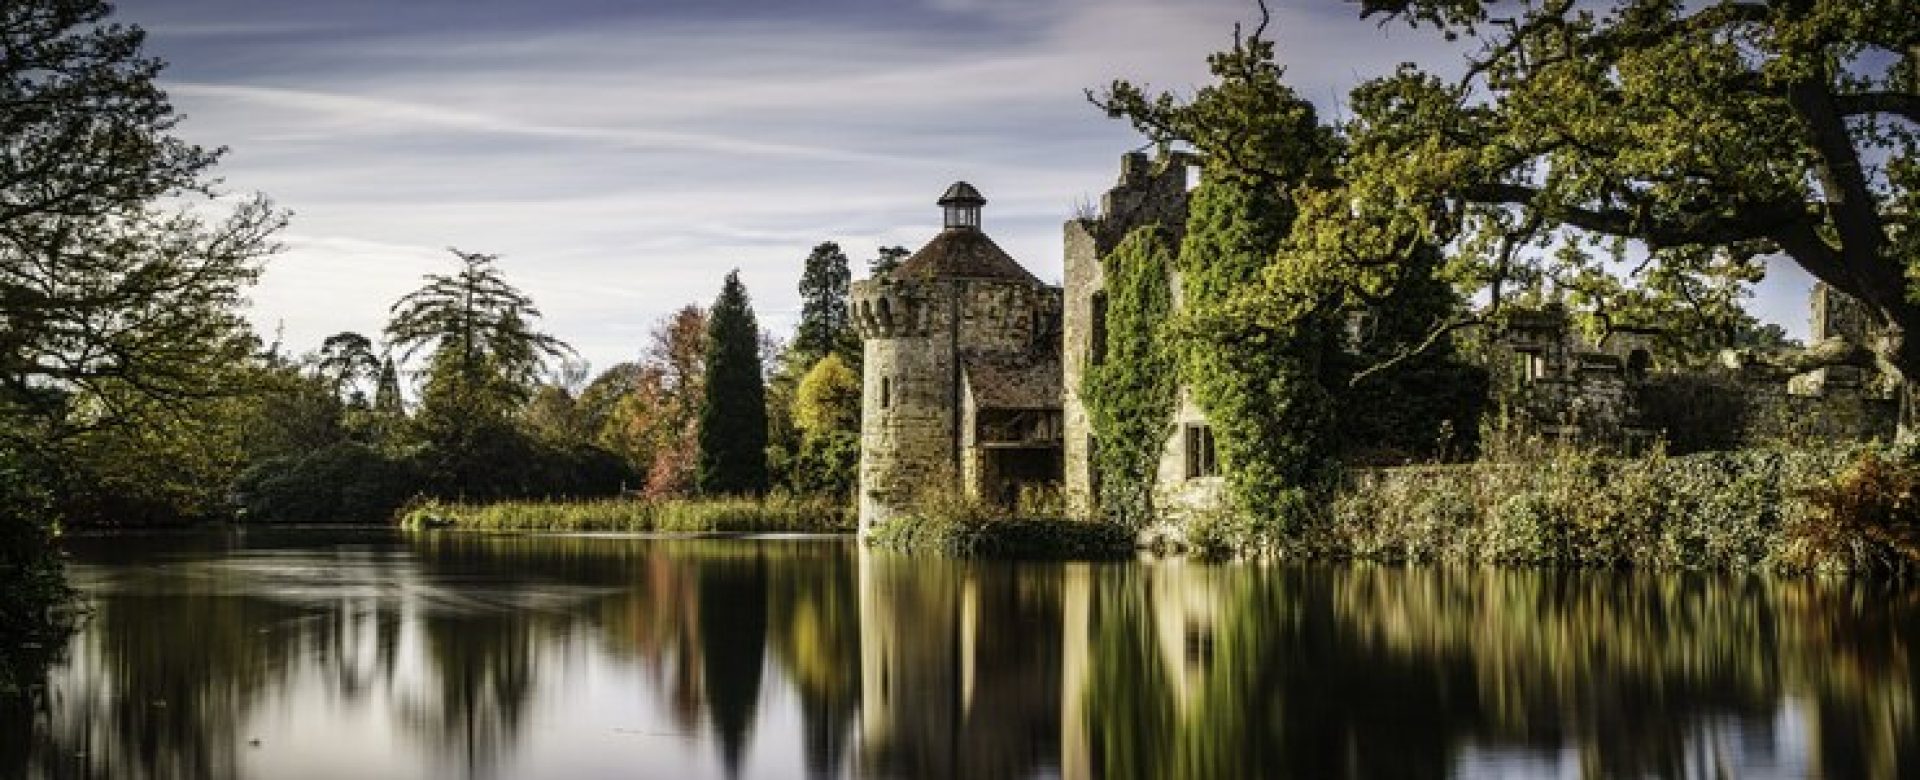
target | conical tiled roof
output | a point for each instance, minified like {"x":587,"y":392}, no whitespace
{"x":963,"y":253}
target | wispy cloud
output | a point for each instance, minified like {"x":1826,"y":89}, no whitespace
{"x":622,"y":157}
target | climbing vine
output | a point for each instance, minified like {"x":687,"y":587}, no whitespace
{"x":1258,"y":374}
{"x":1130,"y":395}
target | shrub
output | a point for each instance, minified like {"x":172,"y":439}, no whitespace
{"x":1865,"y":518}
{"x":959,"y":526}
{"x":346,"y":482}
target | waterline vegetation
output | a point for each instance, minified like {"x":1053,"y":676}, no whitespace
{"x":774,"y":513}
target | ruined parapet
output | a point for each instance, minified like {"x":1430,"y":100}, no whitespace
{"x":1150,"y":191}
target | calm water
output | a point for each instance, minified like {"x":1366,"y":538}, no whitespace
{"x":452,"y":655}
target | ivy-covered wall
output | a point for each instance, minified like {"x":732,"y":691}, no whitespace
{"x":1130,"y":392}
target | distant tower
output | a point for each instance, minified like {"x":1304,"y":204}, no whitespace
{"x":962,"y":376}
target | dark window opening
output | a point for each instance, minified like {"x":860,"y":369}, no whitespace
{"x":886,"y":392}
{"x":1201,"y":461}
{"x":1099,"y":330}
{"x":1638,"y":363}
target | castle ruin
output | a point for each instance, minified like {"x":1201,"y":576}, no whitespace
{"x":973,"y":370}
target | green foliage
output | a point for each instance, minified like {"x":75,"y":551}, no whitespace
{"x":1829,"y":510}
{"x":774,"y":513}
{"x":1402,"y":398}
{"x":1699,"y":138}
{"x":485,"y":355}
{"x":826,"y":323}
{"x":111,"y":281}
{"x":828,"y":398}
{"x":954,"y":525}
{"x":343,"y":482}
{"x":1261,"y":383}
{"x":32,"y":581}
{"x":733,"y":412}
{"x":826,"y":417}
{"x":1130,"y":396}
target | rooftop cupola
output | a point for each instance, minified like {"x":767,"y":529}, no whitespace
{"x":962,"y":203}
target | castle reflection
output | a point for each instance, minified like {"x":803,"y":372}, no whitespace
{"x":515,"y":656}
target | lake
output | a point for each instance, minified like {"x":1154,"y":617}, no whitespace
{"x":377,"y":654}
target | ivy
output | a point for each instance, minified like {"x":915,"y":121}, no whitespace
{"x":1257,"y":372}
{"x":1130,"y":396}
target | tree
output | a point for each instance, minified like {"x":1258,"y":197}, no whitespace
{"x":485,"y":361}
{"x":1702,"y":136}
{"x":347,"y":359}
{"x":486,"y":356}
{"x":121,"y":287}
{"x":826,"y":416}
{"x":890,"y":257}
{"x":103,"y":289}
{"x":1257,"y":363}
{"x":733,"y":412}
{"x":826,"y":325}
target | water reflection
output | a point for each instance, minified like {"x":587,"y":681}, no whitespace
{"x":504,"y":656}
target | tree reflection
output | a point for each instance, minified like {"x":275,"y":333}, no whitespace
{"x":814,"y":607}
{"x":932,"y":667}
{"x":1362,"y":671}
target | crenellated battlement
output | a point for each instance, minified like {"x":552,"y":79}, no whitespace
{"x":886,"y":309}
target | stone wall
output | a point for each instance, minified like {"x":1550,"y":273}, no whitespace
{"x":908,"y":423}
{"x":1150,"y":191}
{"x":917,"y":421}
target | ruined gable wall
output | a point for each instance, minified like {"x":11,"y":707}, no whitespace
{"x":1149,"y":191}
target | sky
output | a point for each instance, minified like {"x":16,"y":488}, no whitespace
{"x":620,"y":156}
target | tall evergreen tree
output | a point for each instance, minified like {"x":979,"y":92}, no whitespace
{"x":826,"y":325}
{"x":386,"y":392}
{"x":890,"y":258}
{"x":733,"y":414}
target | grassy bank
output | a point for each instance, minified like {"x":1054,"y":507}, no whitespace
{"x":719,"y":515}
{"x":1837,"y":510}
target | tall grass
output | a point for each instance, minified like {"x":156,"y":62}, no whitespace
{"x":695,"y":515}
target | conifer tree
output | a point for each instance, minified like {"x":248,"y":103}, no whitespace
{"x":826,"y":326}
{"x":890,"y":258}
{"x":733,"y":414}
{"x":386,"y":393}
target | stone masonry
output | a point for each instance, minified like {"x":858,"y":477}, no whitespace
{"x":961,"y":391}
{"x":974,"y":367}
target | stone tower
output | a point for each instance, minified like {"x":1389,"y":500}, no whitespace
{"x":961,"y":391}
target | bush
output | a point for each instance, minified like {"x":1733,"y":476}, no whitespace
{"x":346,"y":482}
{"x":957,"y":526}
{"x":1865,"y":518}
{"x":1784,"y":510}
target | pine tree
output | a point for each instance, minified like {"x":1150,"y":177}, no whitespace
{"x":386,"y":393}
{"x":826,"y":326}
{"x":890,"y":258}
{"x":733,"y":414}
